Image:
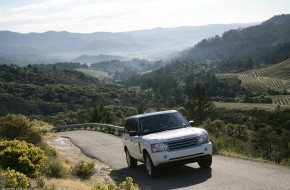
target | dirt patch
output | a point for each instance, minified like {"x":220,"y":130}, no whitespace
{"x":73,"y":155}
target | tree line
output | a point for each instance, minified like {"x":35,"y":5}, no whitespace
{"x":245,"y":49}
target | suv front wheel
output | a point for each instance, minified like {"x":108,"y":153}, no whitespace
{"x":150,"y":168}
{"x":205,"y":163}
{"x":132,"y":163}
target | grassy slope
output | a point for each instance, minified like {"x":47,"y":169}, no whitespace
{"x":250,"y":106}
{"x":94,"y":73}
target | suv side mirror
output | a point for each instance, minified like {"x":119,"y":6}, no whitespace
{"x":132,"y":133}
{"x":191,"y":122}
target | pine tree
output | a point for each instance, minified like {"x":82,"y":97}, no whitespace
{"x":201,"y":107}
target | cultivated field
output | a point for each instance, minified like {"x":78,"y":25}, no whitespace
{"x":275,"y":77}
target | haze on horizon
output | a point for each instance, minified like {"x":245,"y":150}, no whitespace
{"x":89,"y":16}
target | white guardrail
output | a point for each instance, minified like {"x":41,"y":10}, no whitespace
{"x":109,"y":128}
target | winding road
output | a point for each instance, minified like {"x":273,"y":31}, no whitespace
{"x":225,"y":173}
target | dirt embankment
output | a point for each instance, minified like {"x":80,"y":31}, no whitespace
{"x":71,"y":156}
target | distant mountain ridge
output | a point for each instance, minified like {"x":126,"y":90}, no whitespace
{"x":278,"y":19}
{"x":67,"y":46}
{"x":253,"y":44}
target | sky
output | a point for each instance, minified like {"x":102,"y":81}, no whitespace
{"x":87,"y":16}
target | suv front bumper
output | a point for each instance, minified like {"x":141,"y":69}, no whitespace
{"x":182,"y":156}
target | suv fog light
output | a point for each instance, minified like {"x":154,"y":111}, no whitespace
{"x":165,"y":156}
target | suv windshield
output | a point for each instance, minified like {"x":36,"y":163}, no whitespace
{"x":162,"y":122}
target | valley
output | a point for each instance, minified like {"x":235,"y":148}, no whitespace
{"x":232,"y":80}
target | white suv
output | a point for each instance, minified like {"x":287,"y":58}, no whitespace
{"x":165,"y":138}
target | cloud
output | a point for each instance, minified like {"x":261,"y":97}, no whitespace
{"x":41,"y":5}
{"x":122,"y":15}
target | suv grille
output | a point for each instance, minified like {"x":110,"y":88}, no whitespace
{"x":178,"y":144}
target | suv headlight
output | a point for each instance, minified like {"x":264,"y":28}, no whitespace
{"x":159,"y":147}
{"x":203,"y":139}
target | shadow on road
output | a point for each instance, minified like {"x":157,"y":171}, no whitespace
{"x":170,"y":177}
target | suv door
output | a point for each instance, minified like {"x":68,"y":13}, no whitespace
{"x":132,"y":142}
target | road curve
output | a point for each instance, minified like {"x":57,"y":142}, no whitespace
{"x":225,"y":173}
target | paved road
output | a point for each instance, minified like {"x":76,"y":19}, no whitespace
{"x":225,"y":173}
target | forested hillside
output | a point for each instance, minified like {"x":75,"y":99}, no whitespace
{"x":58,"y":93}
{"x":176,"y":81}
{"x":248,"y":48}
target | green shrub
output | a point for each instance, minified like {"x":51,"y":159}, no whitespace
{"x":13,"y":179}
{"x":214,"y":127}
{"x":41,"y":126}
{"x":271,"y":144}
{"x":105,"y":185}
{"x":18,"y":127}
{"x":49,"y":187}
{"x":40,"y":182}
{"x":111,"y":185}
{"x":14,"y":126}
{"x":285,"y":162}
{"x":21,"y":156}
{"x":128,"y":184}
{"x":34,"y":137}
{"x":49,"y":151}
{"x":236,"y":131}
{"x":55,"y":168}
{"x":217,"y":144}
{"x":84,"y":170}
{"x":219,"y":128}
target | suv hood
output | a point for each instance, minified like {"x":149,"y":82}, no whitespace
{"x":175,"y":134}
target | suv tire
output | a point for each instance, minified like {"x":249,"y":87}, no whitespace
{"x":132,"y":163}
{"x":205,"y":163}
{"x":150,"y":168}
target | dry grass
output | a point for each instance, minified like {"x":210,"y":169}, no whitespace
{"x":68,"y":184}
{"x":49,"y":136}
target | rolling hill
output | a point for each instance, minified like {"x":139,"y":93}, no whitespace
{"x":274,"y":79}
{"x":248,"y":48}
{"x":66,"y":46}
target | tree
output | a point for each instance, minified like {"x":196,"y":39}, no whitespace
{"x":102,"y":115}
{"x":200,"y":105}
{"x":96,"y":115}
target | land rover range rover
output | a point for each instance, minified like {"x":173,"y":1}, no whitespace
{"x":164,"y":138}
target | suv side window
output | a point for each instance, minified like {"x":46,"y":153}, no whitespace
{"x":131,"y":125}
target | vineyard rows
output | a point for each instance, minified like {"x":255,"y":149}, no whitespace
{"x":259,"y":82}
{"x":283,"y":101}
{"x":273,"y":68}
